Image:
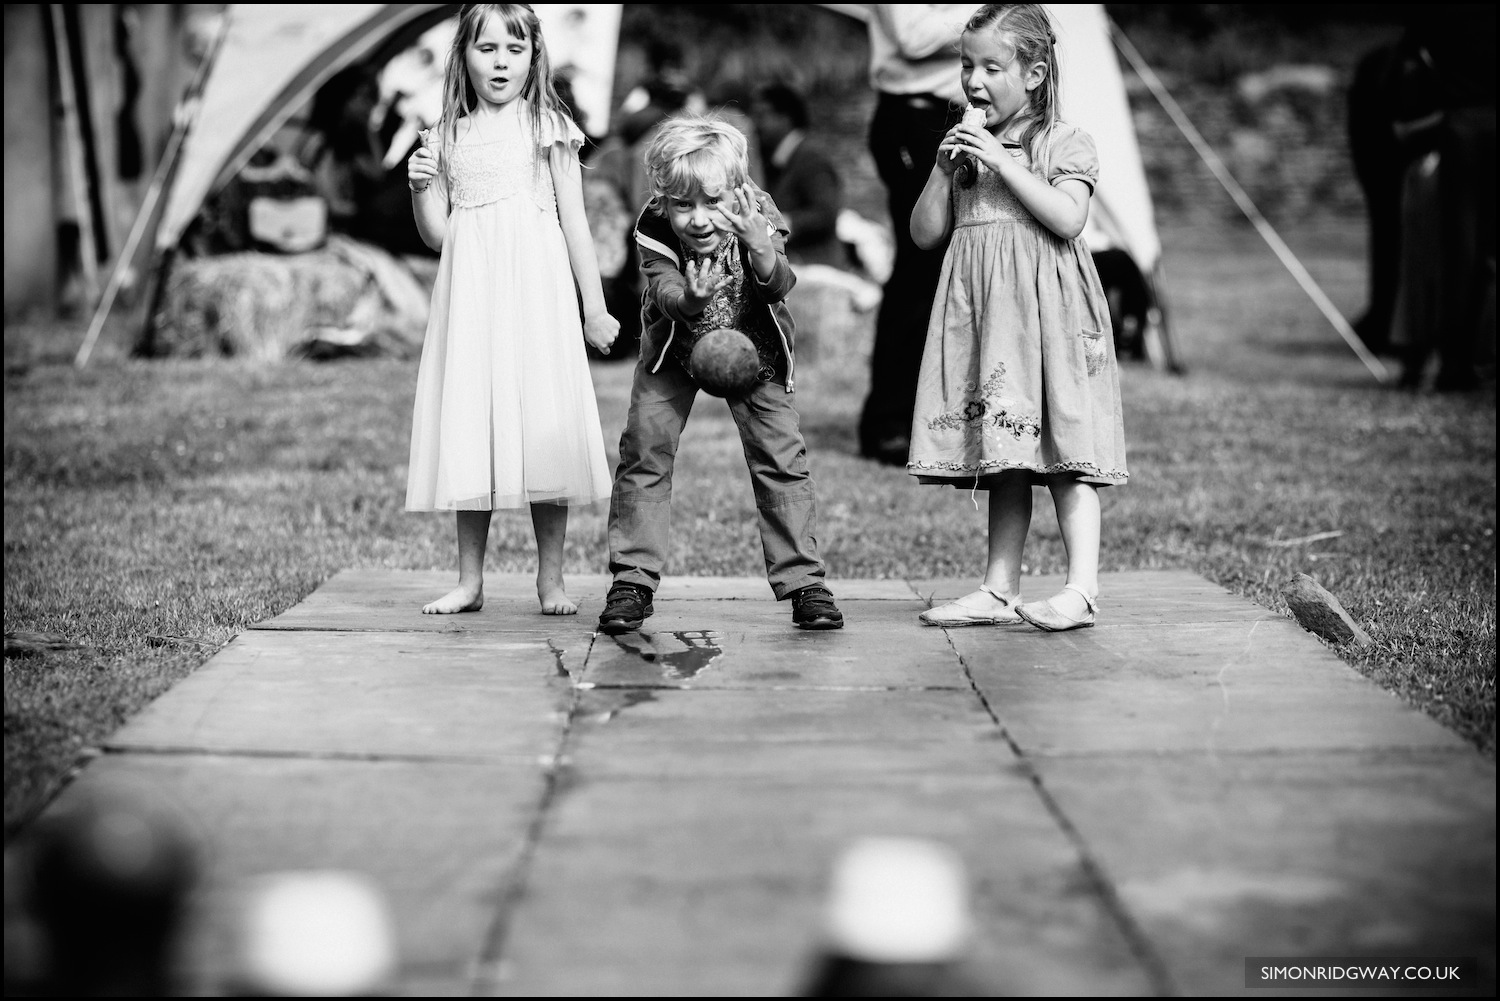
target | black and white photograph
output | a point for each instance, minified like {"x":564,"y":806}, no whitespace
{"x":749,"y":500}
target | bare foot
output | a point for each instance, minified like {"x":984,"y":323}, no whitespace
{"x":460,"y":599}
{"x":554,"y":599}
{"x":556,"y":602}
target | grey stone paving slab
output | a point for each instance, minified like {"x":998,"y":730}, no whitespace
{"x":695,"y":643}
{"x":1379,"y":853}
{"x":1261,"y":684}
{"x":365,"y":694}
{"x":1132,"y":597}
{"x":440,"y":840}
{"x":721,"y":890}
{"x":387,"y":600}
{"x":778,"y":733}
{"x":795,"y":737}
{"x":392,"y":600}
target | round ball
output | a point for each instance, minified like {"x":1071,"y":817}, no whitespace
{"x":724,"y":362}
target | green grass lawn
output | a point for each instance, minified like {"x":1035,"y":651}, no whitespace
{"x":153,"y":510}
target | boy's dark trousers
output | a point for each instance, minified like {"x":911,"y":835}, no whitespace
{"x":640,"y":507}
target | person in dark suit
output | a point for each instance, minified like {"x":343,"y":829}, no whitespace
{"x":915,"y":70}
{"x":800,"y":177}
{"x":1422,"y":142}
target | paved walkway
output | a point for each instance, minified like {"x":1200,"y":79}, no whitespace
{"x":1139,"y":806}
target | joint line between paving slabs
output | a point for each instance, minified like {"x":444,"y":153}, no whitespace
{"x":189,"y":751}
{"x":489,"y":972}
{"x":1139,"y":944}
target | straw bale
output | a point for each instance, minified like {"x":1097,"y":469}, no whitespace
{"x":835,"y":314}
{"x":347,"y":297}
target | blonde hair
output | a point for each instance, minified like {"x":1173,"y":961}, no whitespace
{"x":521,"y":22}
{"x":1029,"y":32}
{"x":693,"y":152}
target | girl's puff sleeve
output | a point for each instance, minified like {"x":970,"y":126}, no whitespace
{"x":1074,"y":157}
{"x":559,"y":128}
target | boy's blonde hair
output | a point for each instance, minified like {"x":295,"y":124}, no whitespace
{"x":691,"y":153}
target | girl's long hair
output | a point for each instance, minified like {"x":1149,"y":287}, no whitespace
{"x":1030,"y":32}
{"x":540,"y":94}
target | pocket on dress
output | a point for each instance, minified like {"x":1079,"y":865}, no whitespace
{"x":1096,"y":345}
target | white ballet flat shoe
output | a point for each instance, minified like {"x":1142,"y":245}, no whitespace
{"x":1044,"y":615}
{"x":954,"y":614}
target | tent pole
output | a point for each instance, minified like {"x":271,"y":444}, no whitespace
{"x":187,"y":113}
{"x":1158,"y":332}
{"x":1241,"y":199}
{"x":127,"y":252}
{"x":83,"y":104}
{"x":73,"y":126}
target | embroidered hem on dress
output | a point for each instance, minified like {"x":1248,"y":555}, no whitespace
{"x":940,"y":470}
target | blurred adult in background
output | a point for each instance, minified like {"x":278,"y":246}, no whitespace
{"x":914,"y":67}
{"x":617,"y":165}
{"x":1422,"y":139}
{"x":799,"y":176}
{"x":1379,"y":167}
{"x":732,"y":100}
{"x":366,"y":199}
{"x":665,"y":91}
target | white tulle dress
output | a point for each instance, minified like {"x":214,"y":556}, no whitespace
{"x":505,"y":414}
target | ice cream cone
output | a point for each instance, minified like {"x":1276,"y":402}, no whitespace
{"x":973,"y":117}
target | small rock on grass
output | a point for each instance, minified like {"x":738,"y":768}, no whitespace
{"x":1318,"y":611}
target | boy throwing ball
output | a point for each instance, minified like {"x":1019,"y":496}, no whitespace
{"x":712,"y":251}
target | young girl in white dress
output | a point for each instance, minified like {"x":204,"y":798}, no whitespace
{"x":505,"y":415}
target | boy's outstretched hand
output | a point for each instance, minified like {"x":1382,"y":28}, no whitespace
{"x":703,"y":280}
{"x":743,"y":216}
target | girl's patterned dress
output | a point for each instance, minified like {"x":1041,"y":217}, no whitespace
{"x":1019,"y":369}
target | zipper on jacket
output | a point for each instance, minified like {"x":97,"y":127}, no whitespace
{"x":786,"y":347}
{"x":671,"y":333}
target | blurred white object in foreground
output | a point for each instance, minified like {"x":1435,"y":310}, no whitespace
{"x":315,"y":934}
{"x":898,"y":900}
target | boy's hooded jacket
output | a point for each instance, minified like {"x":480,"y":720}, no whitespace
{"x":662,"y":316}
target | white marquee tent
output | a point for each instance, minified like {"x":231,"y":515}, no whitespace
{"x":272,"y":58}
